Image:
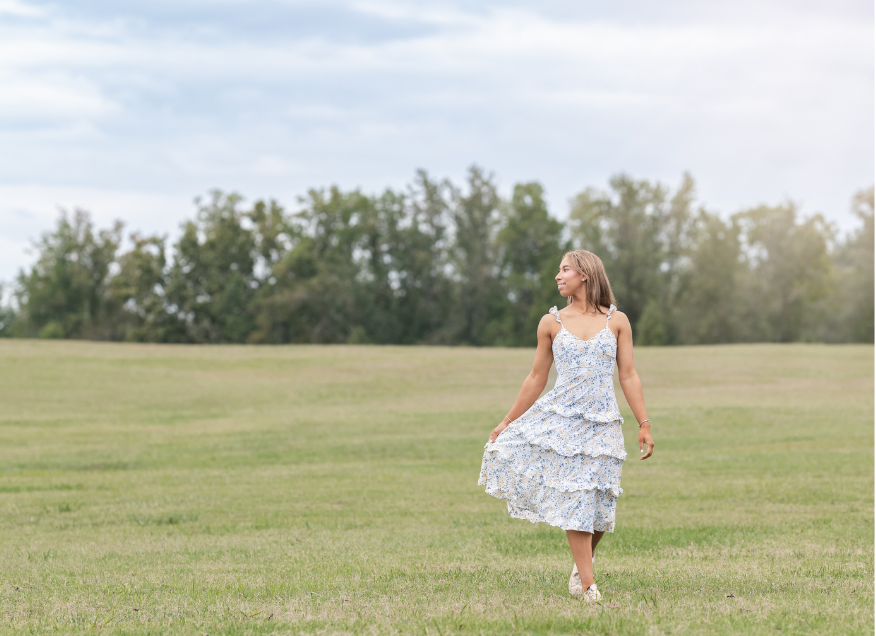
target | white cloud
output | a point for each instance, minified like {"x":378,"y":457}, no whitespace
{"x":50,"y":96}
{"x":759,"y":103}
{"x":19,"y":9}
{"x":26,"y":211}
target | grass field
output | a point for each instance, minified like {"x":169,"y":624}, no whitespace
{"x":321,"y":490}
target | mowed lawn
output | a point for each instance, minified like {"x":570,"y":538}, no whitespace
{"x":151,"y":489}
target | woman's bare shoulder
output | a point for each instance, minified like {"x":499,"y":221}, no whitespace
{"x":547,"y":320}
{"x":548,"y":325}
{"x":621,"y":318}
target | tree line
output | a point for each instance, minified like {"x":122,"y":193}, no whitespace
{"x":438,"y":263}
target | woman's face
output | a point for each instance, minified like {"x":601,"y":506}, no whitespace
{"x":569,"y":279}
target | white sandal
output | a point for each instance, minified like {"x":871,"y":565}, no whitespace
{"x":592,"y":594}
{"x":576,"y":588}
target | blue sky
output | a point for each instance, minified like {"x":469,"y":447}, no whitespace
{"x":132,"y":109}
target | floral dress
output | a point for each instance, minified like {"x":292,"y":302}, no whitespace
{"x":560,"y":462}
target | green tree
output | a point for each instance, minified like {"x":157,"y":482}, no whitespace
{"x":789,"y":271}
{"x":530,"y":248}
{"x":709,"y":307}
{"x":312,"y":290}
{"x":376,"y":290}
{"x":421,"y":251}
{"x":641,"y":234}
{"x":851,"y":315}
{"x":405,"y":290}
{"x":212,"y":281}
{"x":480,"y":299}
{"x":651,"y":327}
{"x":441,"y":265}
{"x":271,"y":233}
{"x":139,"y":289}
{"x":66,"y":293}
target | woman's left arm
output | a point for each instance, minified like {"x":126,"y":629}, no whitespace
{"x":630,"y":382}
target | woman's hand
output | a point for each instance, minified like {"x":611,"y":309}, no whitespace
{"x":498,"y":430}
{"x":645,"y":440}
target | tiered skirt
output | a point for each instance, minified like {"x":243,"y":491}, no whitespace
{"x":556,"y":469}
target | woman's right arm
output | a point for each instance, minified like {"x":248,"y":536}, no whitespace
{"x":535,"y":382}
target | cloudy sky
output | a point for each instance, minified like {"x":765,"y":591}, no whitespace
{"x":130,"y":109}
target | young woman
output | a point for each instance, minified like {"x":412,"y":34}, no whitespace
{"x":557,"y":459}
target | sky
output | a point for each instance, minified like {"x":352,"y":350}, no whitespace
{"x":132,"y":109}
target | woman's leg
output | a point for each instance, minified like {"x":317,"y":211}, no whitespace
{"x":596,"y":537}
{"x":582,"y":551}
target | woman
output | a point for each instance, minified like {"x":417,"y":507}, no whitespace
{"x":557,"y":459}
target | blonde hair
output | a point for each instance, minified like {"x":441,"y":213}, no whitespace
{"x":589,"y":265}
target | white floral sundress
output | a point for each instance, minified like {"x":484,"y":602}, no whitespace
{"x":560,"y":462}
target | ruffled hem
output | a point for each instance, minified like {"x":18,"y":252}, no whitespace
{"x":596,"y":417}
{"x":599,"y":523}
{"x":572,"y":406}
{"x":516,"y":459}
{"x":584,"y":510}
{"x":566,"y":436}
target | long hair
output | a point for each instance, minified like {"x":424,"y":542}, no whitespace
{"x":589,"y":265}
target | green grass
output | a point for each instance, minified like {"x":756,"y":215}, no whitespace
{"x":317,"y":490}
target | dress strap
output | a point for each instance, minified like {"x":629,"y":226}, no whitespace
{"x":608,"y":315}
{"x":556,"y":314}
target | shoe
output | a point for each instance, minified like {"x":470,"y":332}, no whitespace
{"x":592,"y":594}
{"x":575,"y":587}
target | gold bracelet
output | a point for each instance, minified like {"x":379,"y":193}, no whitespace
{"x":643,"y":421}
